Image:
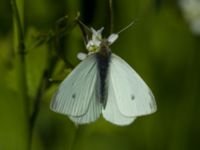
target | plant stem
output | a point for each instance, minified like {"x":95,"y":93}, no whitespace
{"x":111,"y":16}
{"x":20,"y":48}
{"x":38,"y":98}
{"x":75,"y":139}
{"x":18,"y":26}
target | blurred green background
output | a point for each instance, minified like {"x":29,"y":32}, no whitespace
{"x":160,"y":46}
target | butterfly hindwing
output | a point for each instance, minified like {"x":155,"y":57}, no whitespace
{"x":111,"y":111}
{"x":92,"y":114}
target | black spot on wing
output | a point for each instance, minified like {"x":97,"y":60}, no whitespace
{"x":132,"y":97}
{"x":74,"y":96}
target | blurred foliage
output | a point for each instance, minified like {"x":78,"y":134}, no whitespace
{"x":160,"y":46}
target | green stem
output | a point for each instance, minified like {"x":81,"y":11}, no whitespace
{"x":36,"y":107}
{"x":75,"y":138}
{"x":18,"y":22}
{"x":19,"y":46}
{"x":111,"y":16}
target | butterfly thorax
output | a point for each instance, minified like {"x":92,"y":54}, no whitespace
{"x":104,"y":48}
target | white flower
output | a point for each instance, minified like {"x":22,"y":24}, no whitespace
{"x":191,"y":12}
{"x":94,"y":44}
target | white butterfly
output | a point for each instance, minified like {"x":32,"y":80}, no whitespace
{"x":103,"y":83}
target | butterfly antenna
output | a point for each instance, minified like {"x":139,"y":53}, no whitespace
{"x":129,"y":25}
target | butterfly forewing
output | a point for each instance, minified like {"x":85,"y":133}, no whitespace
{"x":133,"y":96}
{"x":75,"y":93}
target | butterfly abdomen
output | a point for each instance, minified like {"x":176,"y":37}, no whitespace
{"x":103,"y":61}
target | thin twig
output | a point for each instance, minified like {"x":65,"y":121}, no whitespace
{"x":111,"y":16}
{"x":41,"y":89}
